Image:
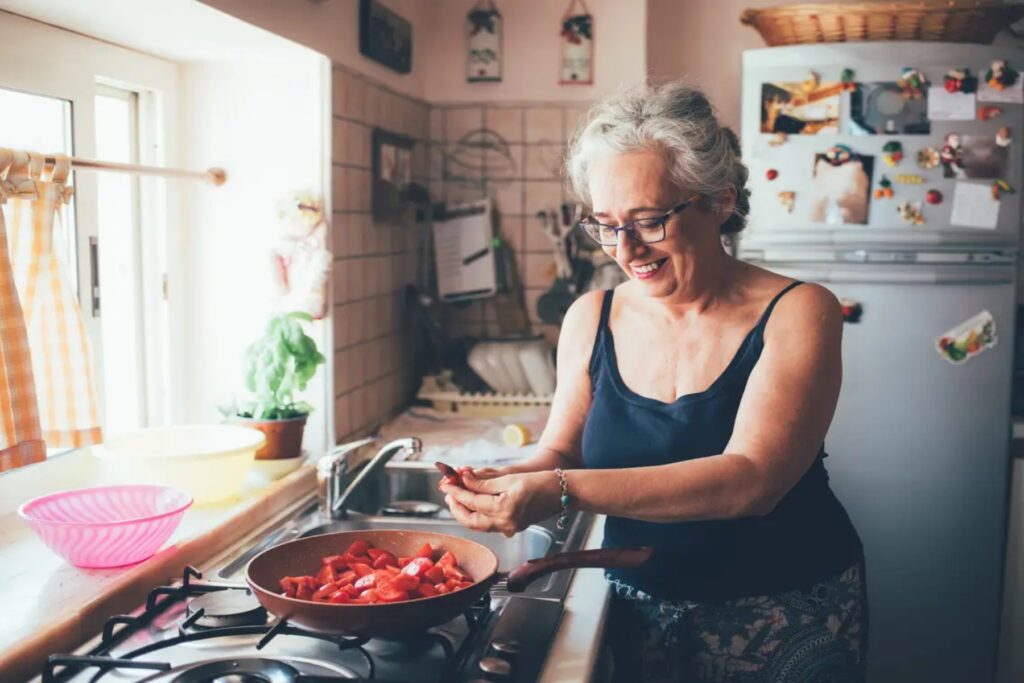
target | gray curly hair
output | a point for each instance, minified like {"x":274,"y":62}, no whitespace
{"x":704,"y":155}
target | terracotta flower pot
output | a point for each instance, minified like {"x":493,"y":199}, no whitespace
{"x":284,"y":437}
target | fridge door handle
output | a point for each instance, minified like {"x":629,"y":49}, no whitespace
{"x":959,"y":276}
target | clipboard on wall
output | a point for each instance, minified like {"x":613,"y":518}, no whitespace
{"x":464,"y":252}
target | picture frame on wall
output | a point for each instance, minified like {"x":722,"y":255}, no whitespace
{"x":484,"y":35}
{"x":577,"y":37}
{"x":384,"y":36}
{"x":392,"y":175}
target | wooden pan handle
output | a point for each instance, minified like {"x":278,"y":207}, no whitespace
{"x":606,"y":558}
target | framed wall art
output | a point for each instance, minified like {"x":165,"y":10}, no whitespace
{"x":483,"y":56}
{"x":392,"y":175}
{"x":384,"y":36}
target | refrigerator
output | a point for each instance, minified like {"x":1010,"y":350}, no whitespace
{"x":919,"y":446}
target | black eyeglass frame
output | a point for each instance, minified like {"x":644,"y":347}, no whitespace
{"x":631,"y":231}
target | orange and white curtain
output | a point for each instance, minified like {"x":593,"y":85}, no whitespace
{"x":63,"y":414}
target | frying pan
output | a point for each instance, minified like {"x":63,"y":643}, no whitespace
{"x":302,"y":556}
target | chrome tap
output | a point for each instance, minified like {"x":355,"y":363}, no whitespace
{"x":331,"y":470}
{"x":337,"y":499}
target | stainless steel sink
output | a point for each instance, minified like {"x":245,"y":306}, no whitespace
{"x":527,"y":545}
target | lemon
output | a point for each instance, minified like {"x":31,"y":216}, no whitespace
{"x":515,"y":435}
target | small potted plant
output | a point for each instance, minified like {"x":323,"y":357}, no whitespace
{"x":278,"y":364}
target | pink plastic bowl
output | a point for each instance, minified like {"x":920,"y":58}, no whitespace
{"x":106,"y":526}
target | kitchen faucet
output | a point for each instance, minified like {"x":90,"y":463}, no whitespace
{"x":333,"y":468}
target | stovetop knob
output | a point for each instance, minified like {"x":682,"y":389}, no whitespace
{"x":505,"y":646}
{"x":495,"y":666}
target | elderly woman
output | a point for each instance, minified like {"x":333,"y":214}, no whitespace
{"x":692,"y":406}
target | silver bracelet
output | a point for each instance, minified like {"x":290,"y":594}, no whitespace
{"x":563,"y":518}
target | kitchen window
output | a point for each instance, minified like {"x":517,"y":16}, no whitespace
{"x":111,"y":236}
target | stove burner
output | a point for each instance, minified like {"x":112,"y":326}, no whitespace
{"x":224,"y":608}
{"x":251,"y":670}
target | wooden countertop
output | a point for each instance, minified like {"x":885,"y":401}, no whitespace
{"x":51,"y":606}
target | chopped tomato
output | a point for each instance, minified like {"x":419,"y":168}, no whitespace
{"x":418,"y":566}
{"x":304,"y":593}
{"x":435,"y":574}
{"x":454,"y":573}
{"x":326,"y":574}
{"x":368,"y":596}
{"x":441,"y":589}
{"x":393,"y":571}
{"x":337,"y":562}
{"x":346,"y":578}
{"x":387,"y":591}
{"x":405,"y":582}
{"x":427,"y":590}
{"x":447,"y":560}
{"x":358,"y":548}
{"x":353,"y":559}
{"x":426,"y":551}
{"x":362,"y":569}
{"x":402,"y":561}
{"x":384,"y":559}
{"x":340,"y":598}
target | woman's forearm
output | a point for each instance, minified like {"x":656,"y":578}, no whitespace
{"x":717,"y":487}
{"x":543,"y":459}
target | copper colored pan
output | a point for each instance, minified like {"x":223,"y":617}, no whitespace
{"x":302,"y":556}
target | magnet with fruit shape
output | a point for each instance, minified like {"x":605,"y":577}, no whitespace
{"x":1001,"y":187}
{"x":771,"y":174}
{"x":928,"y":158}
{"x":787,"y":198}
{"x":968,"y":339}
{"x":960,"y":80}
{"x":933,"y":197}
{"x":851,"y":310}
{"x":989,"y":112}
{"x":910,"y":212}
{"x":913,"y":83}
{"x":846,"y":82}
{"x":1000,"y":76}
{"x":884,"y":189}
{"x":892,"y":153}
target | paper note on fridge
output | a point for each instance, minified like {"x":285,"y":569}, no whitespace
{"x":1011,"y":95}
{"x":950,"y":106}
{"x":974,"y":206}
{"x":463,"y":254}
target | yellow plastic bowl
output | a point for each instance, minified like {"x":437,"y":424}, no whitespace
{"x":209,"y":461}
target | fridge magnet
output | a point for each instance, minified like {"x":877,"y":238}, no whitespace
{"x":884,"y":189}
{"x":577,"y":45}
{"x":787,"y":198}
{"x":950,"y":155}
{"x":912,"y":83}
{"x":841,"y":186}
{"x":975,"y":156}
{"x":933,"y":196}
{"x":1003,"y":137}
{"x":851,"y":310}
{"x":847,"y":84}
{"x":778,"y":140}
{"x":892,"y":153}
{"x":968,"y":339}
{"x":483,"y":56}
{"x":908,"y":179}
{"x":910,"y":212}
{"x":771,"y":174}
{"x":999,"y":188}
{"x":959,"y":80}
{"x":974,"y":206}
{"x":810,"y":107}
{"x":928,"y":158}
{"x":989,"y":112}
{"x":881,"y":109}
{"x":1001,"y":83}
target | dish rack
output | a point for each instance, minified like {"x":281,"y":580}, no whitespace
{"x":483,"y":403}
{"x":954,"y":21}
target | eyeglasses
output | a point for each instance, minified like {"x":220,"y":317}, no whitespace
{"x":646,"y":230}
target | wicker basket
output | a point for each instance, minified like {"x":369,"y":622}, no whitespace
{"x":954,"y":21}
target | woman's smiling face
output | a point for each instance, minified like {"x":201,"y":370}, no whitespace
{"x":632,"y":185}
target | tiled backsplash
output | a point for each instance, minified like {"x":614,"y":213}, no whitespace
{"x":373,"y":262}
{"x":519,"y":167}
{"x":512,"y":154}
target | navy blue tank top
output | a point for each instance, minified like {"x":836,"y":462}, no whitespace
{"x":806,"y":538}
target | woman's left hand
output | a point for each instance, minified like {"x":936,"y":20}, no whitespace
{"x":508,"y":503}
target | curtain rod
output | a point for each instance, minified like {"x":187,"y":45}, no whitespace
{"x":214,"y":175}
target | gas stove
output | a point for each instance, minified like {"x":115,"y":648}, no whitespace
{"x":197,"y":631}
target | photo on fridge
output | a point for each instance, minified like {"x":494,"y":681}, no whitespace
{"x":805,"y":108}
{"x":978,"y":156}
{"x":841,"y":186}
{"x":884,"y":109}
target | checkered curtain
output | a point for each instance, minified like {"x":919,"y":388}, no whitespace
{"x":64,"y":411}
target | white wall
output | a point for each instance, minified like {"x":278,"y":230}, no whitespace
{"x":332,"y":28}
{"x":266,"y":125}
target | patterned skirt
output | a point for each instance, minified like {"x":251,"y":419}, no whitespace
{"x":813,"y":635}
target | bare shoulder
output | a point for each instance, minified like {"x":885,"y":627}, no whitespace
{"x":579,"y":327}
{"x":806,"y":308}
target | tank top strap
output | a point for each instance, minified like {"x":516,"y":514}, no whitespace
{"x":771,"y":305}
{"x":597,"y":353}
